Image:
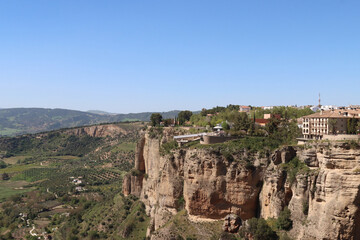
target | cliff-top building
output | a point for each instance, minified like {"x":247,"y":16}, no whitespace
{"x":331,"y":122}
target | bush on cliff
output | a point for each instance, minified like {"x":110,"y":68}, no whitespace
{"x":284,"y":222}
{"x":258,"y":229}
{"x":295,"y":167}
{"x":167,"y":147}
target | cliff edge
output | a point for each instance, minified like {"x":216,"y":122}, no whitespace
{"x":319,"y":183}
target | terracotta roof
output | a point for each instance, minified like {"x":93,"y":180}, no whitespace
{"x":334,"y":114}
{"x":260,"y":120}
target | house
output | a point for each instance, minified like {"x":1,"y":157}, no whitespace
{"x":270,"y":115}
{"x":328,"y":107}
{"x":332,"y":122}
{"x":261,"y":122}
{"x":267,"y":116}
{"x":244,"y":109}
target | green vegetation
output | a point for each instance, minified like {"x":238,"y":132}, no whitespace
{"x":12,"y":188}
{"x":184,"y":116}
{"x":271,"y":229}
{"x":15,"y":121}
{"x":284,"y":222}
{"x":167,"y":147}
{"x":17,"y":168}
{"x":218,"y":115}
{"x":57,"y":180}
{"x":124,"y":146}
{"x":295,"y":167}
{"x":353,"y":126}
{"x":2,"y":164}
{"x":182,"y":228}
{"x":155,"y":119}
{"x":156,"y":132}
{"x":250,"y":144}
{"x":259,"y":229}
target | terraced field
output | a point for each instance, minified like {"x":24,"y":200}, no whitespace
{"x":12,"y":188}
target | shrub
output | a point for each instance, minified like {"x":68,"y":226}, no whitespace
{"x":136,"y":172}
{"x":227,"y":236}
{"x":2,"y":164}
{"x":293,"y":168}
{"x":128,"y":229}
{"x":259,"y":230}
{"x":284,"y":236}
{"x":94,"y":235}
{"x":5,"y":176}
{"x":284,"y":222}
{"x":155,"y":132}
{"x":166,"y":148}
{"x":181,"y":202}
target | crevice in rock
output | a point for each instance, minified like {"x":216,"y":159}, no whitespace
{"x":357,"y":216}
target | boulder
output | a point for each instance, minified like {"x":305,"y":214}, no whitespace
{"x":232,"y":223}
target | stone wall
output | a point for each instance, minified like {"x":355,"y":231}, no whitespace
{"x":341,"y":137}
{"x":215,"y":139}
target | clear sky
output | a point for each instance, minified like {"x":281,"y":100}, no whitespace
{"x":134,"y":56}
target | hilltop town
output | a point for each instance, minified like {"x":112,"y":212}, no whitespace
{"x":220,"y":124}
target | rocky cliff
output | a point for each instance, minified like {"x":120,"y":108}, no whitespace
{"x":103,"y":130}
{"x":323,"y":196}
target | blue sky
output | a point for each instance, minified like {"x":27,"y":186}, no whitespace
{"x":135,"y":56}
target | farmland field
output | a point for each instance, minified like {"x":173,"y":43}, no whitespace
{"x":65,"y":184}
{"x":15,"y":159}
{"x":10,"y":188}
{"x":124,"y":146}
{"x":18,"y":168}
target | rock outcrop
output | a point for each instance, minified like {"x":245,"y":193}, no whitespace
{"x":232,"y":223}
{"x":98,"y":130}
{"x":324,"y":201}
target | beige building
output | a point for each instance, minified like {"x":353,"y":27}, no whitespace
{"x":331,"y":122}
{"x":244,"y":109}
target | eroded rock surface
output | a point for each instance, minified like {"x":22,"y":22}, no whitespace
{"x":324,"y":201}
{"x":232,"y":223}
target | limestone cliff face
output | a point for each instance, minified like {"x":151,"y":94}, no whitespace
{"x":333,"y":194}
{"x":324,"y":202}
{"x":101,"y":130}
{"x":98,"y":130}
{"x":215,"y":187}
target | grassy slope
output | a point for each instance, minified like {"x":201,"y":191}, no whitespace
{"x":11,"y":188}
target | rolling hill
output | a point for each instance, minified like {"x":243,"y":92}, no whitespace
{"x":16,"y":121}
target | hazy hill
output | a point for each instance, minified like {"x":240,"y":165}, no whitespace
{"x":100,"y":112}
{"x":14,"y":121}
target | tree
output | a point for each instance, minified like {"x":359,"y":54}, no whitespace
{"x":332,"y":125}
{"x":272,"y":126}
{"x":258,"y":229}
{"x":3,"y":164}
{"x":167,"y":122}
{"x":352,"y":125}
{"x":241,"y":121}
{"x":225,"y":126}
{"x":184,"y":116}
{"x":284,"y":222}
{"x":155,"y":119}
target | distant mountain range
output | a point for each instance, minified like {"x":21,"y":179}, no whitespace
{"x":15,"y":121}
{"x":101,"y":112}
